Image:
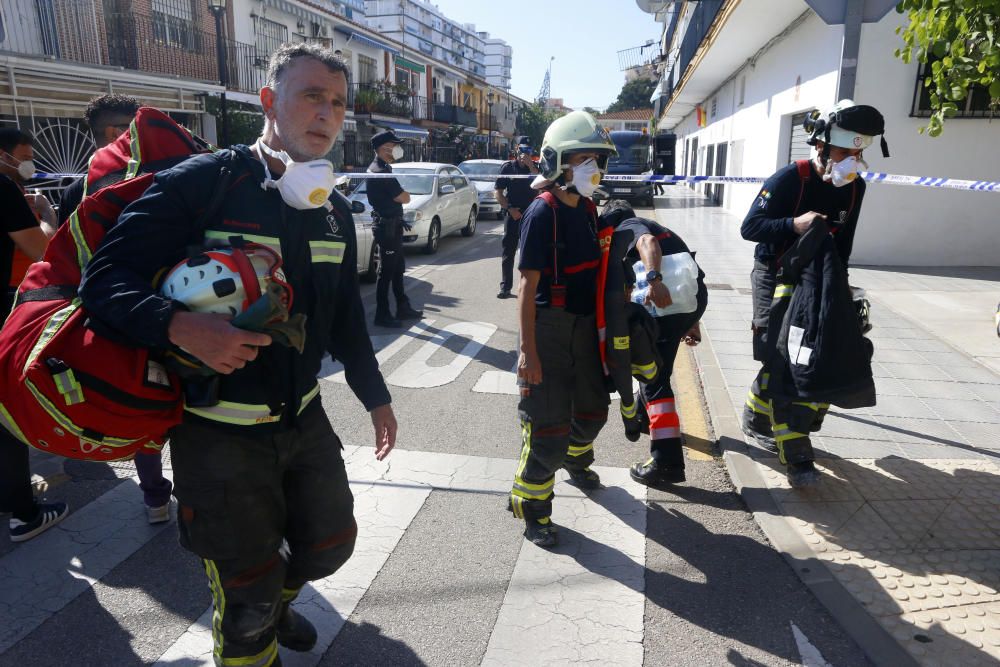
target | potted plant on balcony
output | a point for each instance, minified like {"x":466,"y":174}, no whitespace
{"x":367,"y":100}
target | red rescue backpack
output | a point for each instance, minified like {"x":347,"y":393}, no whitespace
{"x":67,"y":389}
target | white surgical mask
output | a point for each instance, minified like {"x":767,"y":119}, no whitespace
{"x":397,"y":152}
{"x":304,"y":185}
{"x":843,"y":172}
{"x":25,"y":169}
{"x":586,"y":177}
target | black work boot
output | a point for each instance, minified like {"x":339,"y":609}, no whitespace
{"x":758,"y":426}
{"x":294,"y":631}
{"x":655,"y":475}
{"x":384,"y":319}
{"x":407,"y":312}
{"x":802,"y":475}
{"x":541,"y":532}
{"x":584,"y":479}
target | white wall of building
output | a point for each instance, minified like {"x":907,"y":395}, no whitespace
{"x":924,"y":226}
{"x":898,"y":225}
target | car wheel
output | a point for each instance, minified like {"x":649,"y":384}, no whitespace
{"x":433,"y":237}
{"x":374,"y":261}
{"x":470,"y":228}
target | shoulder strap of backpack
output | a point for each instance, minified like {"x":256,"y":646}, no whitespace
{"x":550,"y":201}
{"x":804,"y":168}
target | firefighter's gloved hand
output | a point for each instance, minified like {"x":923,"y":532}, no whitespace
{"x":269,"y":314}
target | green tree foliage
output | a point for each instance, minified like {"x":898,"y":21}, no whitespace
{"x":635,"y":94}
{"x":532,"y":120}
{"x":961,"y":41}
{"x":245,"y":121}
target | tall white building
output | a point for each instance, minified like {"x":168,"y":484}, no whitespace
{"x":421,"y":26}
{"x":499,"y":55}
{"x":739,"y":76}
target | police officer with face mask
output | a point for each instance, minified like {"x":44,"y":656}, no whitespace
{"x":387,"y":197}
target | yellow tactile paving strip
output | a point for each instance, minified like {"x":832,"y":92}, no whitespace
{"x":916,"y":542}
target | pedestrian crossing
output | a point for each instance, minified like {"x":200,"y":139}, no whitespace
{"x":588,"y":593}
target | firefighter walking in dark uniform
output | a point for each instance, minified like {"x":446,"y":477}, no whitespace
{"x":827,"y":188}
{"x":387,"y":197}
{"x":650,"y":242}
{"x":263,"y":496}
{"x":564,"y":401}
{"x":513,"y":195}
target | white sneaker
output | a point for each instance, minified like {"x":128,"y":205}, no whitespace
{"x":159,"y":514}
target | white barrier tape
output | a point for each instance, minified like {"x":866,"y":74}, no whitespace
{"x":870,"y":176}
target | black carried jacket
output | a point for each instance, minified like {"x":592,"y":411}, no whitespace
{"x":820,"y":353}
{"x":319,"y":249}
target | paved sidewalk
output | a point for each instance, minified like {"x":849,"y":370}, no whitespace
{"x":905,"y":528}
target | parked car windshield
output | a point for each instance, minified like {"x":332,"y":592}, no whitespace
{"x":415,"y":185}
{"x":479,"y":169}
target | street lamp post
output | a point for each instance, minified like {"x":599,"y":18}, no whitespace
{"x":218,"y":9}
{"x":489,"y":131}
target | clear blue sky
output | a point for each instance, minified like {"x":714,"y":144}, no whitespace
{"x":583,"y":35}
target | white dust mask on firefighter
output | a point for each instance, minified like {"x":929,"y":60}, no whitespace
{"x":586,"y":177}
{"x":25,"y":168}
{"x":843,"y":172}
{"x":304,"y":185}
{"x":397,"y":152}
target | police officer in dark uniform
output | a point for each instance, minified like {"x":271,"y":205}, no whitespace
{"x":387,"y":197}
{"x":514,"y":195}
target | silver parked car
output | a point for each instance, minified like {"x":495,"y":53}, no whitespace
{"x":483,"y":174}
{"x":442,"y":202}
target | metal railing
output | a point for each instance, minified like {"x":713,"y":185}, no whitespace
{"x":701,"y":21}
{"x":449,"y":113}
{"x":378,"y":98}
{"x":78,"y":31}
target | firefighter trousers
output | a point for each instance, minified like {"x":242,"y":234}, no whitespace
{"x":561,"y":416}
{"x":266,"y":514}
{"x":665,"y":444}
{"x":789,"y":422}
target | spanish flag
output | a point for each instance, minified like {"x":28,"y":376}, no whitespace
{"x":700,"y":117}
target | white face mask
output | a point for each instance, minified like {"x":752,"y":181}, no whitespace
{"x":843,"y":172}
{"x":25,"y":169}
{"x":586,"y":177}
{"x":397,"y":152}
{"x":304,"y":185}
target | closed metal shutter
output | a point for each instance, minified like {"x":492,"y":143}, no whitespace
{"x":798,"y":149}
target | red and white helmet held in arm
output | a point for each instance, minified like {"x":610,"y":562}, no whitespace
{"x":225,"y":280}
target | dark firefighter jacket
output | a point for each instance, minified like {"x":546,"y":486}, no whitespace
{"x":319,"y":249}
{"x":820,"y":354}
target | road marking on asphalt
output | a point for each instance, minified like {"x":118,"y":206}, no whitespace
{"x":692,"y":409}
{"x":811,"y":657}
{"x":417,"y":373}
{"x":385,"y":345}
{"x":42,"y":576}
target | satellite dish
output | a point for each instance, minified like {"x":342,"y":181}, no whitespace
{"x":652,"y":6}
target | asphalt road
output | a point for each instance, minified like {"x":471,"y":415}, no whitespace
{"x":710,"y":589}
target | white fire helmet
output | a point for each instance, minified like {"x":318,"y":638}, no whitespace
{"x":225,"y":280}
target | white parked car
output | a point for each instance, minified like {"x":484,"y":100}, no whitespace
{"x":442,"y":202}
{"x":483,"y":174}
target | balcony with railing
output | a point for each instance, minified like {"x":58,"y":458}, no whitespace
{"x":379,"y":98}
{"x":701,"y":21}
{"x":449,"y":113}
{"x":80,"y":32}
